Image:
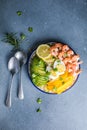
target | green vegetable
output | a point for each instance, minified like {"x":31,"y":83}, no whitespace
{"x":54,"y":88}
{"x":40,"y":80}
{"x":30,"y":29}
{"x":22,"y":35}
{"x":12,"y":39}
{"x":19,"y":13}
{"x":58,"y":61}
{"x":38,"y":110}
{"x":33,"y":75}
{"x":60,"y":78}
{"x":38,"y":72}
{"x":39,"y":100}
{"x":55,"y":69}
{"x":38,"y":66}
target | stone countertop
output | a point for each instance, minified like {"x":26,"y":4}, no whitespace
{"x":52,"y":20}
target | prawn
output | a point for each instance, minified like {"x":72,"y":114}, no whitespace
{"x":71,"y":67}
{"x":70,"y":52}
{"x":59,"y":46}
{"x":54,"y":51}
{"x":65,"y":48}
{"x":75,"y":58}
{"x":66,"y":60}
{"x":77,"y":62}
{"x":61,"y":55}
{"x":76,"y":73}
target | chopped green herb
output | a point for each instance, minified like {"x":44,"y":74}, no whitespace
{"x":19,"y":13}
{"x":33,"y":75}
{"x":48,"y":73}
{"x":30,"y":29}
{"x":61,"y":78}
{"x":39,"y":100}
{"x":58,"y":60}
{"x":38,"y":110}
{"x":54,"y":88}
{"x":22,"y":35}
{"x":63,"y":82}
{"x":65,"y":54}
{"x":55,"y":69}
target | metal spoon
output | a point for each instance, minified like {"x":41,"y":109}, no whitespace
{"x":22,"y":57}
{"x":13,"y":66}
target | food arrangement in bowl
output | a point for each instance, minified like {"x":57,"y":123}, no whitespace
{"x":54,"y":67}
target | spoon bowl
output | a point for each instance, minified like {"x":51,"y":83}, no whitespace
{"x":13,"y":65}
{"x":22,"y":57}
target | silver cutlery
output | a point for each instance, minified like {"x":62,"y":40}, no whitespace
{"x":22,"y":58}
{"x":14,"y":67}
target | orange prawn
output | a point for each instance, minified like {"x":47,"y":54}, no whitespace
{"x":54,"y":51}
{"x":66,"y":60}
{"x":71,"y":67}
{"x":70,"y":52}
{"x":61,"y":55}
{"x":65,"y":48}
{"x":75,"y":58}
{"x":59,"y":46}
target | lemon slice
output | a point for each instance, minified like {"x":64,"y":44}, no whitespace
{"x":43,"y":51}
{"x":48,"y":60}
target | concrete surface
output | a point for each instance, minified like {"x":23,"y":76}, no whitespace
{"x":52,"y":20}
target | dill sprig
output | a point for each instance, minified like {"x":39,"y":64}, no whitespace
{"x":12,"y":39}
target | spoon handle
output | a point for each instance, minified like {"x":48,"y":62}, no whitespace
{"x":8,"y":98}
{"x":20,"y":91}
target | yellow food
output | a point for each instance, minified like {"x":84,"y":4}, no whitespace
{"x":61,"y":68}
{"x":49,"y":59}
{"x":43,"y":51}
{"x":62,"y":83}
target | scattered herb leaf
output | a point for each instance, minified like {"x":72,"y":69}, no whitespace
{"x":19,"y":13}
{"x":61,"y":78}
{"x":55,"y":69}
{"x":38,"y":110}
{"x":30,"y":29}
{"x":58,"y":61}
{"x":39,"y":100}
{"x":63,"y":82}
{"x":54,"y":88}
{"x":22,"y":35}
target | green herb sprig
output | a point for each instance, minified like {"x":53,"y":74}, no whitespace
{"x":12,"y":39}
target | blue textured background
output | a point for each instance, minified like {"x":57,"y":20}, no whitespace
{"x":52,"y":20}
